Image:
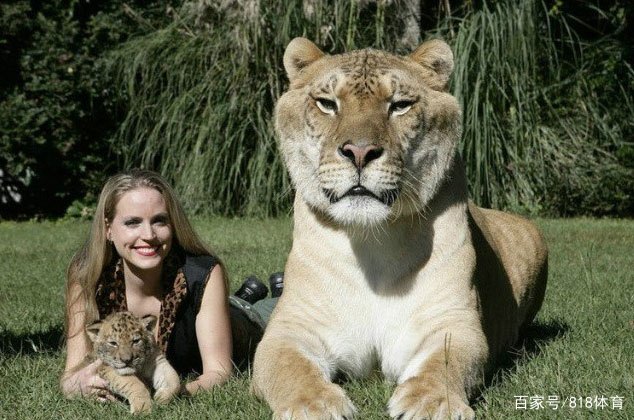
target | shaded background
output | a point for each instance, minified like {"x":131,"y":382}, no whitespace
{"x":187,"y":89}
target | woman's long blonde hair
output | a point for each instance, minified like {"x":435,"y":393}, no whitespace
{"x":96,"y":253}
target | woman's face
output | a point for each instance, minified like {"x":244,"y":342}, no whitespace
{"x":141,"y":229}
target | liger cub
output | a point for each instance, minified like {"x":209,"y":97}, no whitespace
{"x":391,"y":264}
{"x":126,"y":346}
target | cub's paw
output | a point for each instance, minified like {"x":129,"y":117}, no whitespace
{"x":411,"y":401}
{"x":140,"y":407}
{"x":327,"y":403}
{"x":164,"y":395}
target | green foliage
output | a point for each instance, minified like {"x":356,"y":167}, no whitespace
{"x":95,"y":87}
{"x":539,"y":136}
{"x":540,"y":123}
{"x":200,"y":95}
{"x":57,"y":116}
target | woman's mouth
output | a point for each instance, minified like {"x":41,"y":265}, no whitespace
{"x":147,"y":251}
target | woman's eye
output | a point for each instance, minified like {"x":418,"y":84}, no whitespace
{"x":400,"y":107}
{"x":160,"y":220}
{"x":131,"y":222}
{"x":326,"y":106}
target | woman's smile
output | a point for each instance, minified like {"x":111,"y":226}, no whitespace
{"x":147,"y":251}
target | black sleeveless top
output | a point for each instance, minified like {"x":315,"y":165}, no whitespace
{"x":184,"y":282}
{"x":182,"y":346}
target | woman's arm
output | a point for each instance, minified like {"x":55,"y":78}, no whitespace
{"x":213,"y":331}
{"x":79,"y":378}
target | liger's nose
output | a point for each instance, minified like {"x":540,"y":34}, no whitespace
{"x":360,"y":156}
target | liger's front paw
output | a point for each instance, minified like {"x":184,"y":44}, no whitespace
{"x":329,"y":402}
{"x":411,"y":400}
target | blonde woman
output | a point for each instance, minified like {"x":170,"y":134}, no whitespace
{"x":142,"y":255}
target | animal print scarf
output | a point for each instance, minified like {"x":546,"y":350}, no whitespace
{"x":110,"y":294}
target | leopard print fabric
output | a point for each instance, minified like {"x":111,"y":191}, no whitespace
{"x":110,"y":294}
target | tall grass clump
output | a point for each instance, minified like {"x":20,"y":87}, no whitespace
{"x":199,"y":96}
{"x":540,"y":135}
{"x":547,"y":117}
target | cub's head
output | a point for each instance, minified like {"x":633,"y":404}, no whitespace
{"x":123,"y":341}
{"x":367,"y":135}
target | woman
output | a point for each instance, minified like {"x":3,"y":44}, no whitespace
{"x":142,"y":255}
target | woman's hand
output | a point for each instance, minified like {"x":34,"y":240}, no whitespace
{"x":192,"y":387}
{"x":80,"y":379}
{"x":86,"y":382}
{"x":204,"y":382}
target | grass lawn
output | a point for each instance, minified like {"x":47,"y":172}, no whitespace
{"x":582,"y":344}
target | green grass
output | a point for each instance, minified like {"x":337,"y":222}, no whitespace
{"x":581,"y":344}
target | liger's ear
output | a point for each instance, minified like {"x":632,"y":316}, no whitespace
{"x":149,"y":321}
{"x":300,"y":53}
{"x":93,"y":330}
{"x":437,"y":59}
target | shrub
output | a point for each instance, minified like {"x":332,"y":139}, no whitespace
{"x":56,"y":113}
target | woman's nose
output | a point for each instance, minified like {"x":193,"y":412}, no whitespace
{"x":148,"y":231}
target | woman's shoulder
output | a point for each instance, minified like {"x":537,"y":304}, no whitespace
{"x":196,"y":268}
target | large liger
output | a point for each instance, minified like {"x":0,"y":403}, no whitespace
{"x":390,"y":264}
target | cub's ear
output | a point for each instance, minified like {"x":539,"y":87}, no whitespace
{"x":299,"y":53}
{"x":93,"y":330}
{"x":149,"y":321}
{"x":437,"y":59}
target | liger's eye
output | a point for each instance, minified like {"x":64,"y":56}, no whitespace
{"x":326,"y":106}
{"x":112,"y":343}
{"x":400,"y":107}
{"x":136,"y":341}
